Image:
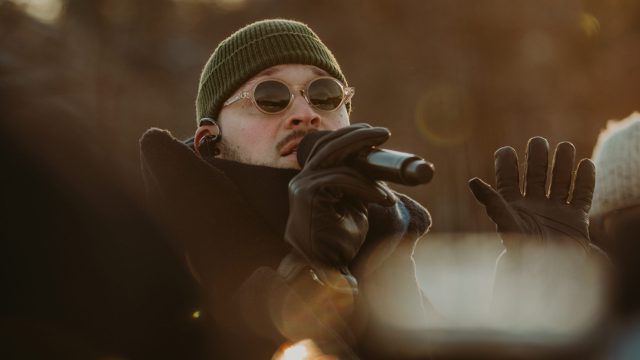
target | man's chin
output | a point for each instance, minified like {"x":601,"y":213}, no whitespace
{"x":281,"y":162}
{"x":288,"y":162}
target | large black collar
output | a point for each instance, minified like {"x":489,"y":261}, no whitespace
{"x":263,"y":188}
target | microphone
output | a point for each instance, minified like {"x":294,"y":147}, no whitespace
{"x":377,"y":164}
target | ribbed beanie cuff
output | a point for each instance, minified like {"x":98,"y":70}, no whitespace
{"x":253,"y":49}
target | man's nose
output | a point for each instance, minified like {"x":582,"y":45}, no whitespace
{"x":301,"y":114}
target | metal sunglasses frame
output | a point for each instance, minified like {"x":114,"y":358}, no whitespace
{"x":347,"y":94}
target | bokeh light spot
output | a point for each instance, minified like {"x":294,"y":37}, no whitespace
{"x":196,"y":314}
{"x":444,"y":115}
{"x":537,"y":48}
{"x":589,"y":24}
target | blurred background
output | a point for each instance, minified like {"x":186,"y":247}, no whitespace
{"x":81,"y":80}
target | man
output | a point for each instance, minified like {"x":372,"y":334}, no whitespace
{"x":283,"y":253}
{"x":262,"y":90}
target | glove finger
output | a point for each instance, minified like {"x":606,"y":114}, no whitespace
{"x":347,"y":182}
{"x":507,"y":175}
{"x":334,"y":151}
{"x":495,"y":206}
{"x":331,"y":136}
{"x":562,"y":167}
{"x":584,"y":185}
{"x":537,"y":163}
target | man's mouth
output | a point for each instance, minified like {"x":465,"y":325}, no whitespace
{"x":291,"y":147}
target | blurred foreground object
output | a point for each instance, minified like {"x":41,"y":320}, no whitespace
{"x":615,"y":217}
{"x":531,"y":317}
{"x":617,"y":158}
{"x":615,"y":226}
{"x":85,"y":272}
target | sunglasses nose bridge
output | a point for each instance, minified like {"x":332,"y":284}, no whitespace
{"x":293,"y":93}
{"x":302,"y":113}
{"x":303,"y":93}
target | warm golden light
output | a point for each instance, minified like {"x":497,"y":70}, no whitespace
{"x":295,"y":352}
{"x":230,"y":4}
{"x":302,"y":350}
{"x":46,"y":11}
{"x":196,"y":314}
{"x":589,"y":24}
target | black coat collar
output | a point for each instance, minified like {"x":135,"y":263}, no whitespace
{"x":263,"y":188}
{"x":223,"y":208}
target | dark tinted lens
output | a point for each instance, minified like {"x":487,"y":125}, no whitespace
{"x":325,"y":94}
{"x":272,"y":96}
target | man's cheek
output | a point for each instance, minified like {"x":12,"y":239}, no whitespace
{"x":339,"y":121}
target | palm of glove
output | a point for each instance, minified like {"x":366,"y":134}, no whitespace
{"x":560,"y":215}
{"x":328,"y":200}
{"x":325,"y":214}
{"x":531,"y":220}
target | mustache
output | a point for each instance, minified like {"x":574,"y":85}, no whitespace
{"x":293,"y":135}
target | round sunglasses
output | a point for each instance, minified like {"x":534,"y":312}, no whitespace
{"x":272,"y":96}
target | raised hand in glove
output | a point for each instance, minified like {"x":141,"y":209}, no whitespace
{"x":552,"y":284}
{"x":328,"y":206}
{"x":535,"y":215}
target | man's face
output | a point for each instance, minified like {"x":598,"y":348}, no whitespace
{"x":253,"y":137}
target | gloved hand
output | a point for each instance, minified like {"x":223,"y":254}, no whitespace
{"x":549,"y":269}
{"x":534,"y":215}
{"x":328,"y":205}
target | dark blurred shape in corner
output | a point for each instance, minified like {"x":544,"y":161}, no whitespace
{"x":86,"y":274}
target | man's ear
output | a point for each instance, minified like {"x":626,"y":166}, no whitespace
{"x":206,"y":128}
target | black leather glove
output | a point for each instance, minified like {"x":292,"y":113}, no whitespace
{"x":560,"y":215}
{"x":549,"y":270}
{"x":328,"y":206}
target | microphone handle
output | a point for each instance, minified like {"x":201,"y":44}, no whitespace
{"x":393,"y":166}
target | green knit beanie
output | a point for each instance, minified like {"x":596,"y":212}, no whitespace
{"x":254,"y":48}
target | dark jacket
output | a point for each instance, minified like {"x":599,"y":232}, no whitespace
{"x":227,"y":221}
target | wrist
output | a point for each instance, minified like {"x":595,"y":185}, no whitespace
{"x":294,"y":269}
